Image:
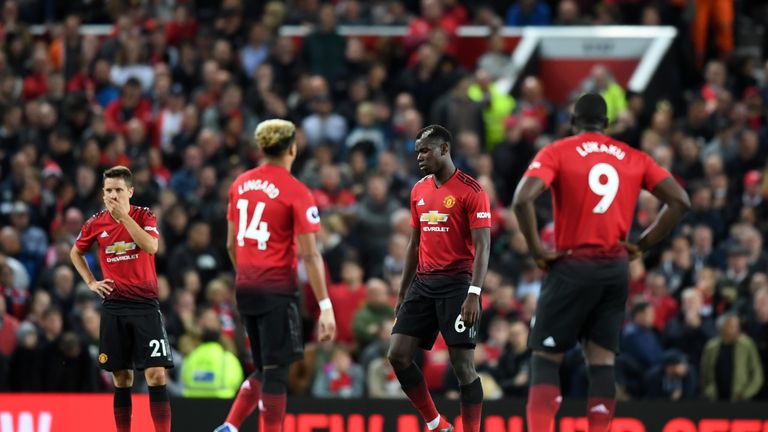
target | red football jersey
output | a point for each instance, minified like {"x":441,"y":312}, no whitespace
{"x":122,"y":260}
{"x":269,"y":208}
{"x":595,"y":183}
{"x":445,"y":216}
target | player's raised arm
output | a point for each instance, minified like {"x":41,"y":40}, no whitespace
{"x":143,"y":238}
{"x":676,"y":204}
{"x":527,"y":191}
{"x":409,"y":268}
{"x":313,"y":261}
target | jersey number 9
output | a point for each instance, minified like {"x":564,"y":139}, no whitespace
{"x":605,"y":190}
{"x":252,"y":228}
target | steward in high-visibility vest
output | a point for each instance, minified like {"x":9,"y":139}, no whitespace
{"x":210,"y":371}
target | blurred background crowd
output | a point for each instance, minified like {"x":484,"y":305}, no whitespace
{"x":174,"y":89}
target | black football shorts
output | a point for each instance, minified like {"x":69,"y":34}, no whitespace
{"x":137,"y":341}
{"x":422,"y":317}
{"x":275,"y":335}
{"x":581,"y":300}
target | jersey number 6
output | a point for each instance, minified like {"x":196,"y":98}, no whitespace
{"x":255,"y":229}
{"x":605,"y":190}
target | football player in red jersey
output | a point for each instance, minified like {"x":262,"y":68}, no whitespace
{"x":445,"y":267}
{"x":132,"y":328}
{"x":595,"y":184}
{"x":270,"y":214}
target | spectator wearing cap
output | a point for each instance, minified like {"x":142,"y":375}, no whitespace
{"x":730,"y":365}
{"x":672,"y":380}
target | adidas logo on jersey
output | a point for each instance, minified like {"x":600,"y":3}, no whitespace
{"x":549,"y":342}
{"x":104,"y":234}
{"x":600,"y":409}
{"x":421,"y":202}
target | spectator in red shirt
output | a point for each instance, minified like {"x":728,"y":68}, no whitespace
{"x":665,"y":305}
{"x":183,"y":27}
{"x":331,"y":195}
{"x":131,"y":104}
{"x":36,"y":83}
{"x":8,"y":327}
{"x":347,"y":297}
{"x":432,"y":16}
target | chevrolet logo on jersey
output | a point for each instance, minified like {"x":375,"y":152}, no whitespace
{"x":120,"y":248}
{"x":434,"y":217}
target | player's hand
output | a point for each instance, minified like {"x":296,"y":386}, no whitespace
{"x":632,"y":249}
{"x":470,"y":310}
{"x":103,"y":287}
{"x":118,"y":209}
{"x":326,"y":326}
{"x":545,"y":259}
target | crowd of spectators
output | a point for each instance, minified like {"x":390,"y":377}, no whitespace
{"x":175,"y":89}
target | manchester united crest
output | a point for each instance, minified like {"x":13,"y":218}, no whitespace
{"x":449,"y":201}
{"x":103,"y":358}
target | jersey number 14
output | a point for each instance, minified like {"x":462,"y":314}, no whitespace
{"x":605,"y":190}
{"x":252,"y":228}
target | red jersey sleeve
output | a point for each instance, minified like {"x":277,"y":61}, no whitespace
{"x":86,"y":237}
{"x":544,"y":166}
{"x":306,"y":216}
{"x":478,"y":210}
{"x":230,"y":207}
{"x":653,"y":174}
{"x":148,"y":223}
{"x":414,"y":215}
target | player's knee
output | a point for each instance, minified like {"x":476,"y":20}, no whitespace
{"x":465,"y":372}
{"x":155,"y":376}
{"x":275,"y":380}
{"x":399,"y":359}
{"x":597,"y":355}
{"x":122,"y":378}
